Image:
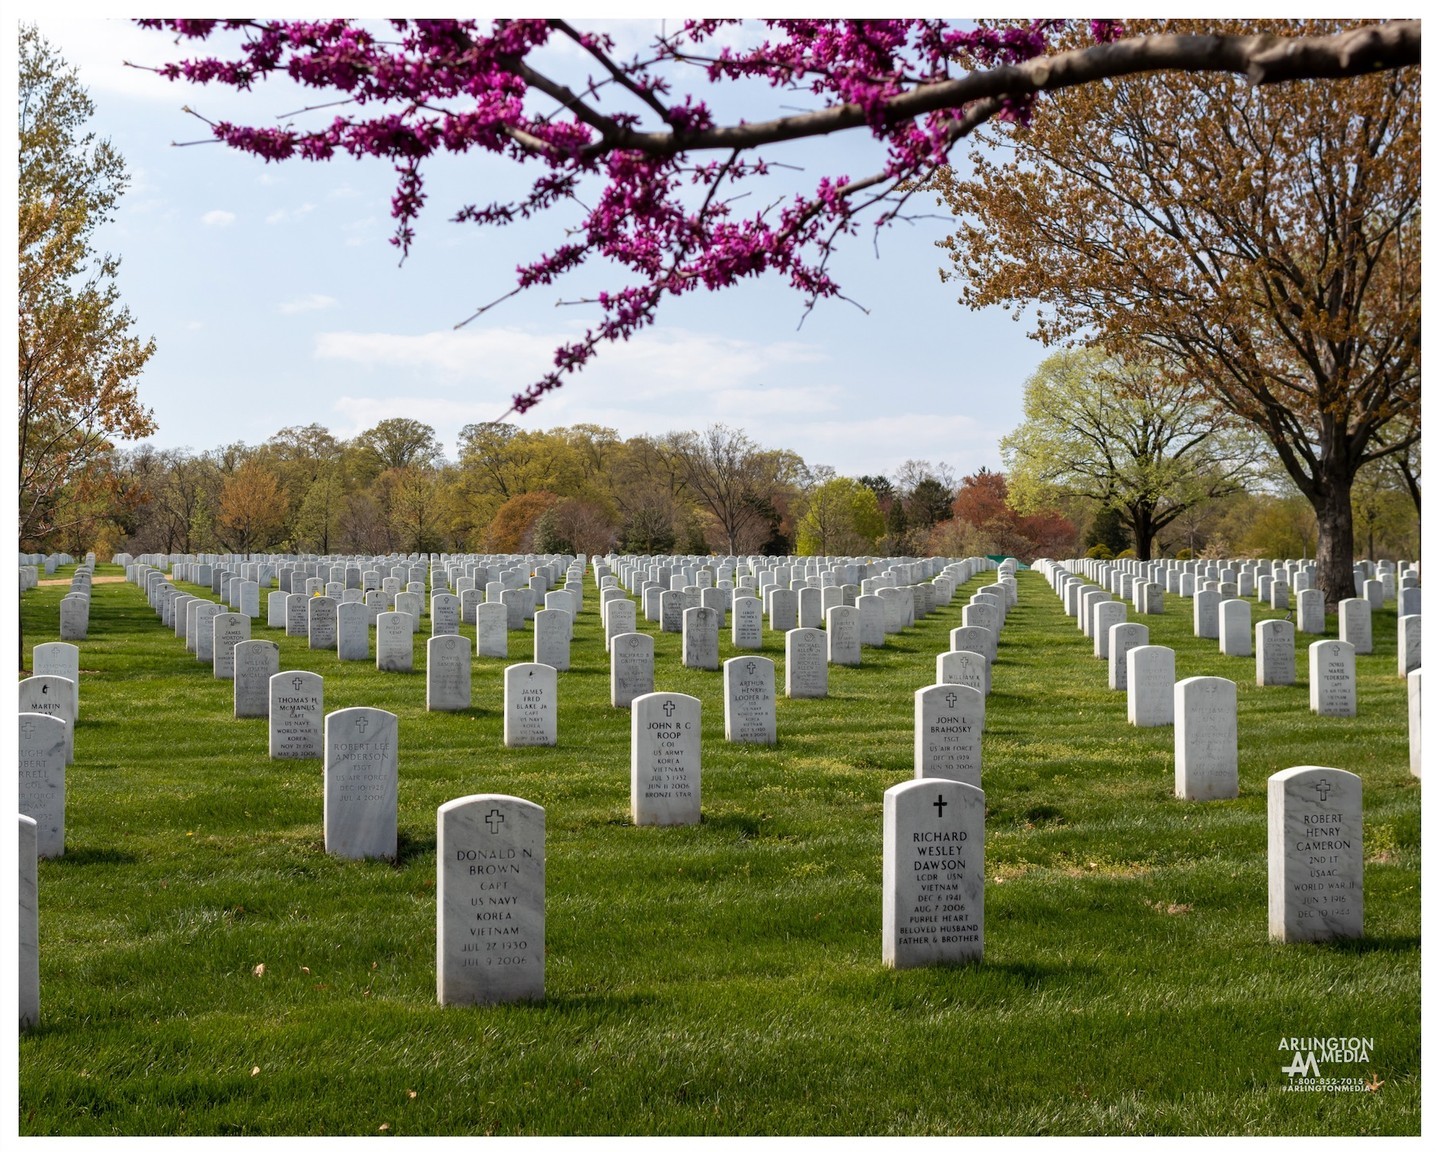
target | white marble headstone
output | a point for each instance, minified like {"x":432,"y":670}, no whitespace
{"x":297,"y":716}
{"x":949,"y":721}
{"x":361,"y":783}
{"x":665,"y":759}
{"x":27,"y":927}
{"x":530,"y":705}
{"x":933,"y":904}
{"x":750,"y":700}
{"x":41,"y":769}
{"x":490,"y":900}
{"x":447,"y":673}
{"x":1316,"y":850}
{"x":1207,"y":755}
{"x":255,"y":662}
{"x":807,"y":672}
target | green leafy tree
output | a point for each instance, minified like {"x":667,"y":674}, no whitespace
{"x":839,"y":517}
{"x":1142,"y":440}
{"x":78,"y":359}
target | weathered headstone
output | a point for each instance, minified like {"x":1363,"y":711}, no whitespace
{"x":1412,"y":691}
{"x":490,"y":900}
{"x":700,"y":639}
{"x":807,"y":674}
{"x":530,"y":705}
{"x":1407,"y":637}
{"x":1235,"y":628}
{"x":619,"y":618}
{"x":1207,"y":757}
{"x":1316,"y":850}
{"x":872,"y":620}
{"x":784,"y":610}
{"x":842,"y":635}
{"x":255,"y":662}
{"x":361,"y":783}
{"x":1105,"y":615}
{"x":1150,"y":685}
{"x":447,"y":673}
{"x":58,"y":658}
{"x":1355,"y":625}
{"x":227,"y":630}
{"x":665,"y":759}
{"x":27,"y":928}
{"x":42,"y":755}
{"x":962,"y":667}
{"x":750,"y":700}
{"x":297,"y":716}
{"x":1310,"y":612}
{"x":395,"y":642}
{"x":1274,"y":653}
{"x":1124,"y":637}
{"x":949,"y":720}
{"x":746,"y":622}
{"x":320,"y":622}
{"x":492,"y":631}
{"x":632,"y":667}
{"x":552,"y":638}
{"x":1332,"y":678}
{"x":933,"y":906}
{"x":352,"y":631}
{"x":1206,"y":614}
{"x":445,"y":615}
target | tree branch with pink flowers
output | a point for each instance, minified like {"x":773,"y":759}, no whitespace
{"x":662,"y":177}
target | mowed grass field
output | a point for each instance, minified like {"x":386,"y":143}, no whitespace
{"x":723,"y":978}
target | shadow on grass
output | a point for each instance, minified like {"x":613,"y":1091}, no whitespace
{"x":82,"y":856}
{"x":409,"y":847}
{"x":1367,"y":944}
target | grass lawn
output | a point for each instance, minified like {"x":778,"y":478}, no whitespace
{"x":723,"y":978}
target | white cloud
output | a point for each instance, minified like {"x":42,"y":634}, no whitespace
{"x":218,"y":218}
{"x":314,"y":302}
{"x":288,"y":215}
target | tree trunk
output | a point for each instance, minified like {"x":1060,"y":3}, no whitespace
{"x":1335,"y":553}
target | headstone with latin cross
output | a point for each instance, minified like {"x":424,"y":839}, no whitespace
{"x":1316,"y":851}
{"x":297,"y":716}
{"x":41,"y":752}
{"x":933,"y":874}
{"x":665,"y":759}
{"x":750,"y":700}
{"x":490,"y":900}
{"x":361,"y":783}
{"x":949,"y":721}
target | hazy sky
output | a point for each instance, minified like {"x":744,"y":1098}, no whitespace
{"x":274,"y":299}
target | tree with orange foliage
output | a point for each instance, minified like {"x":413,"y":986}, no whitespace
{"x":1267,"y":238}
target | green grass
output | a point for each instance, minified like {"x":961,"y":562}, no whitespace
{"x":723,"y":978}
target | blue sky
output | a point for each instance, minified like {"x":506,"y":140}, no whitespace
{"x":275,"y":299}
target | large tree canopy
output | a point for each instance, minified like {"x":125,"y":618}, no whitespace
{"x":1266,"y":239}
{"x":78,"y":359}
{"x":663,"y":178}
{"x":1141,"y":439}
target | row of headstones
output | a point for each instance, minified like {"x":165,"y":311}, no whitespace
{"x":1269,"y":581}
{"x":1203,"y":709}
{"x":490,"y":878}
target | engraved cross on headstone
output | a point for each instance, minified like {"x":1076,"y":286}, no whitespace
{"x":494,"y":820}
{"x":361,"y":723}
{"x":940,"y":806}
{"x":1323,"y":787}
{"x":950,"y":699}
{"x":669,"y":708}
